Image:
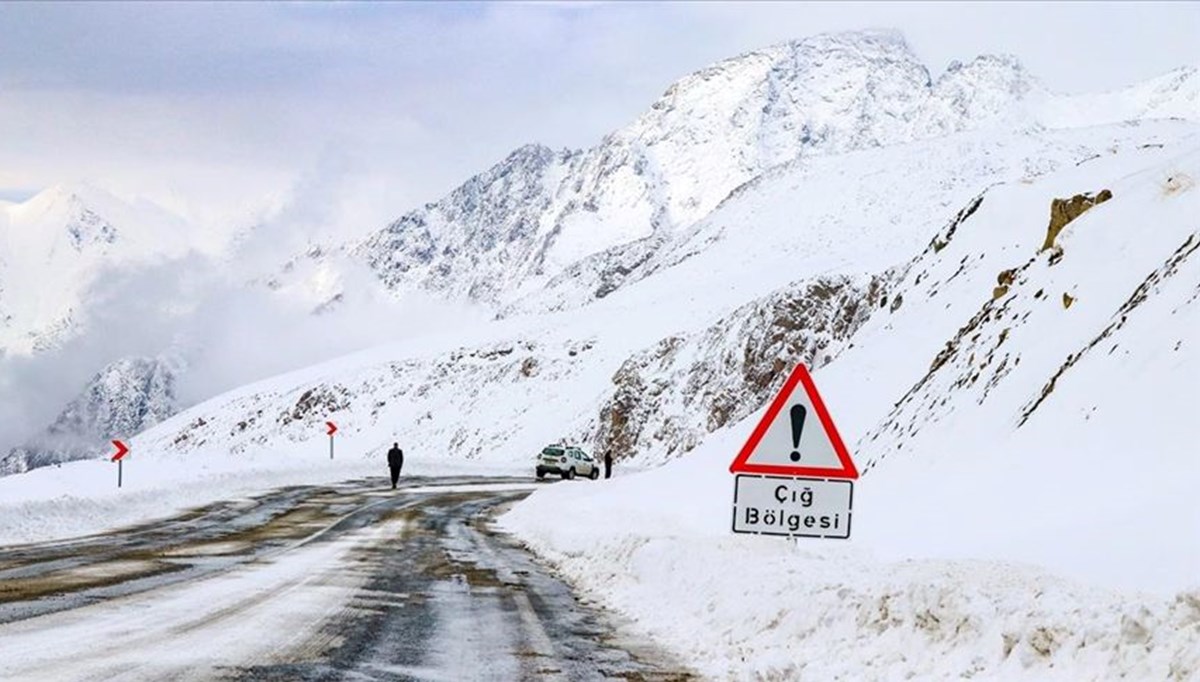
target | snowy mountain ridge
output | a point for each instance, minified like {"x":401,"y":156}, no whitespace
{"x":1020,"y":411}
{"x":655,"y":367}
{"x":531,"y":217}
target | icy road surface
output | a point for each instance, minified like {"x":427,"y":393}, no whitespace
{"x":352,"y":581}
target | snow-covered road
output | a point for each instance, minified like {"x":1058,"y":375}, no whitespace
{"x":317,"y":582}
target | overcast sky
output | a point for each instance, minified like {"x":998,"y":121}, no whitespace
{"x":374,"y":108}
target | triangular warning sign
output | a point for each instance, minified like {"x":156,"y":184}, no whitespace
{"x":796,"y":436}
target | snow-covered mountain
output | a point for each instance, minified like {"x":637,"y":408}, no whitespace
{"x":539,"y":212}
{"x":54,"y":247}
{"x":1006,"y":356}
{"x":788,"y":269}
{"x":125,"y":398}
{"x":819,"y":164}
{"x":787,"y":158}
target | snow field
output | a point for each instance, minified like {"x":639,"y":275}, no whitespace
{"x":657,"y":548}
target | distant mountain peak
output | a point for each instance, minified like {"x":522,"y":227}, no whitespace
{"x":873,"y":38}
{"x":990,"y":60}
{"x":124,"y":398}
{"x":530,"y":153}
{"x":70,"y":197}
{"x":997,"y":68}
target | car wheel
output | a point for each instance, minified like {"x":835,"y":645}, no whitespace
{"x":541,"y":474}
{"x":570,"y":474}
{"x":595,"y":474}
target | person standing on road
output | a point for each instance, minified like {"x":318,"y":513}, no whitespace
{"x":395,"y":462}
{"x":608,"y":463}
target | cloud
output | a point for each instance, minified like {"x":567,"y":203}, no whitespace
{"x":226,"y":332}
{"x":217,"y":316}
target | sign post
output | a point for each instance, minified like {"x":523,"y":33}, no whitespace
{"x":794,"y":476}
{"x":332,"y":429}
{"x":119,"y":458}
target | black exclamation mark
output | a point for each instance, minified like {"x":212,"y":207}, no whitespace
{"x":798,"y":412}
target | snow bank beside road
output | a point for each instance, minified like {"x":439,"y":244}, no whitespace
{"x":657,"y":548}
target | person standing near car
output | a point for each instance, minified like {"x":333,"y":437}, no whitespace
{"x":608,"y":464}
{"x":395,"y":462}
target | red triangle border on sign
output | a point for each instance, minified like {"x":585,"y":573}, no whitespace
{"x":799,"y":375}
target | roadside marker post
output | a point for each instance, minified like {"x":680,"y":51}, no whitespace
{"x":331,"y":429}
{"x":794,"y":476}
{"x":119,"y":458}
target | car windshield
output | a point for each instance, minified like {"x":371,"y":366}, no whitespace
{"x":553,"y":452}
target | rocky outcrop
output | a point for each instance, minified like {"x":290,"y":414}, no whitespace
{"x":667,"y":398}
{"x":1063,"y":211}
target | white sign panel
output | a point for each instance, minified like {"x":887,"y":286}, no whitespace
{"x":797,"y":507}
{"x":796,"y":438}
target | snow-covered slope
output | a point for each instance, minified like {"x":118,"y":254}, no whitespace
{"x":855,"y":211}
{"x":1069,"y":368}
{"x":1022,"y":417}
{"x":1171,"y":95}
{"x":790,"y":268}
{"x":54,"y":246}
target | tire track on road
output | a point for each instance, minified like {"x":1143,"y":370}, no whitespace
{"x":336,"y":582}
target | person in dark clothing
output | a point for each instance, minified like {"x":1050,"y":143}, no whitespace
{"x":608,"y":463}
{"x":395,"y":462}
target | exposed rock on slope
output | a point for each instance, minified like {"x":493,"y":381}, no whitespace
{"x":1153,"y":282}
{"x":666,"y":399}
{"x":1063,"y":211}
{"x":1013,"y":350}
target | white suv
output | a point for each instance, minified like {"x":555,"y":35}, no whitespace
{"x":566,"y":461}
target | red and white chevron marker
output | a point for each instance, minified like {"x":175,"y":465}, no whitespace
{"x":122,"y":450}
{"x":332,"y":429}
{"x":119,"y":458}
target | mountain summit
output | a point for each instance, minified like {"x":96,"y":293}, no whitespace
{"x":55,"y":245}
